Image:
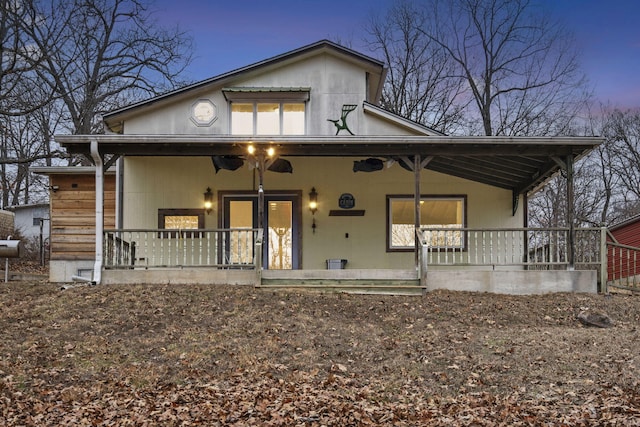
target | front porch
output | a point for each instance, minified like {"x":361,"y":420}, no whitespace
{"x":513,"y":260}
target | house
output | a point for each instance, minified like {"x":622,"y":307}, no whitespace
{"x":32,"y":223}
{"x":288,"y":172}
{"x":623,"y":254}
{"x":31,"y":220}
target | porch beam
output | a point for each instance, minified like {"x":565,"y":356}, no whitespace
{"x":560,"y":162}
{"x":425,"y":162}
{"x":328,"y":149}
{"x":411,"y":165}
{"x":546,"y":170}
{"x":400,"y":140}
{"x":111,"y":161}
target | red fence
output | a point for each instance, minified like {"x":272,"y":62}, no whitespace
{"x":623,"y":266}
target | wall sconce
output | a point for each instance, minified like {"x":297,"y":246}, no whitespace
{"x":54,"y":188}
{"x":313,"y":200}
{"x":208,"y":200}
{"x":313,"y":206}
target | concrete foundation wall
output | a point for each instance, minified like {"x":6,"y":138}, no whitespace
{"x":196,"y":276}
{"x":516,"y":282}
{"x":513,"y":282}
{"x":63,"y":271}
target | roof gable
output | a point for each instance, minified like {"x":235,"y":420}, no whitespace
{"x":374,"y":68}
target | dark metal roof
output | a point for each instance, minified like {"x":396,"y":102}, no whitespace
{"x":516,"y":163}
{"x":631,"y":220}
{"x":251,"y":89}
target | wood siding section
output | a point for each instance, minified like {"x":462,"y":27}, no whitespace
{"x":624,"y":263}
{"x":628,"y":234}
{"x":73,"y":215}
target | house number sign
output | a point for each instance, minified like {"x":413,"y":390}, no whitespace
{"x":346,"y":201}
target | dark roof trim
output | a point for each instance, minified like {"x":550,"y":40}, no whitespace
{"x":69,"y":170}
{"x":322,"y":44}
{"x":480,"y":159}
{"x":395,"y":118}
{"x":626,"y":222}
{"x":280,"y":93}
{"x":28,"y":206}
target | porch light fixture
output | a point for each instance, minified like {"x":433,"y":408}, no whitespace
{"x":313,"y":206}
{"x":313,"y":201}
{"x":267,"y":152}
{"x":208,"y":200}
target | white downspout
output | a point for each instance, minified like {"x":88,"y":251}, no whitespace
{"x":97,"y":267}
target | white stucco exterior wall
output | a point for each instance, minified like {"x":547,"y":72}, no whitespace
{"x":333,"y":82}
{"x":179,"y":182}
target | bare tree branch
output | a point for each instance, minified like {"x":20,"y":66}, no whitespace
{"x":520,"y":67}
{"x":419,"y":84}
{"x":102,"y":54}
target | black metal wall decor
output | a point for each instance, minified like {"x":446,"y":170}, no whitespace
{"x":341,"y":123}
{"x":346,"y":201}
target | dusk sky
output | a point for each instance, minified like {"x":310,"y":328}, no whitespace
{"x":230,"y":35}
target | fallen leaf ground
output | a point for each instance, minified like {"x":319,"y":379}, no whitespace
{"x":237,"y":356}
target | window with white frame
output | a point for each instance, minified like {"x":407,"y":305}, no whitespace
{"x":267,"y":110}
{"x":444,"y":215}
{"x":179,"y":221}
{"x":267,"y":118}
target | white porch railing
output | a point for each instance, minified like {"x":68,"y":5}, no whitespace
{"x":220,"y":248}
{"x":532,"y":248}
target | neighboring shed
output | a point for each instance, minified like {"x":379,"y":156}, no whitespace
{"x":29,"y":218}
{"x":32,"y":225}
{"x":627,"y":232}
{"x":623,"y":255}
{"x":73,"y":218}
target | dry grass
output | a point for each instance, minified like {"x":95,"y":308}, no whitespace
{"x":175,"y":355}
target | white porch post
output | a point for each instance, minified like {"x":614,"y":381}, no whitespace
{"x":97,"y":267}
{"x":261,"y":166}
{"x":570,"y":214}
{"x":416,"y":198}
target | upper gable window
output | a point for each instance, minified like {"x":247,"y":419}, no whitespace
{"x":267,"y":118}
{"x":267,"y":111}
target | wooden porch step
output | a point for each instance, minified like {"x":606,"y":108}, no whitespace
{"x":354,"y":286}
{"x":355,"y":281}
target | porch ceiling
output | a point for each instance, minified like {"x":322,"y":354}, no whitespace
{"x":517,"y":163}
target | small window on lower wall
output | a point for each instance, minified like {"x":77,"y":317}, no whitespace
{"x":180,"y":219}
{"x":447,"y":213}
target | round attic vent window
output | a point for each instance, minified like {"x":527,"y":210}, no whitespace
{"x":203,"y":112}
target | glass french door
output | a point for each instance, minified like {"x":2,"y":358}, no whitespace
{"x":281,"y":228}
